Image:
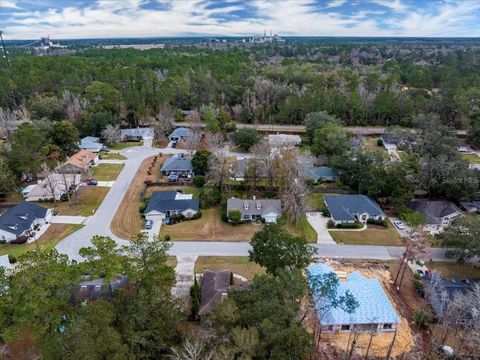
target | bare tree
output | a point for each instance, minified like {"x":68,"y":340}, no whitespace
{"x":192,"y":350}
{"x":7,"y":121}
{"x":74,"y":105}
{"x":195,"y":131}
{"x":23,"y":115}
{"x":263,"y":152}
{"x":112,"y":134}
{"x":294,"y":202}
{"x":286,"y":168}
{"x":219,"y":169}
{"x":50,"y":182}
{"x":164,"y":123}
{"x":254,"y":171}
{"x":214,"y":142}
{"x":70,"y":184}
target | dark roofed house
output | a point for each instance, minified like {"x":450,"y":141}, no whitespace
{"x":136,"y":134}
{"x":403,"y":140}
{"x":352,"y":208}
{"x":19,"y":220}
{"x":438,"y":214}
{"x":254,"y":209}
{"x":179,"y":134}
{"x":94,"y":289}
{"x":320,"y":173}
{"x":164,"y":204}
{"x":214,"y":288}
{"x":239,"y":170}
{"x":180,"y":166}
{"x":470,"y":206}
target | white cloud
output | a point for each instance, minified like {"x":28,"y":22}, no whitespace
{"x":395,"y":5}
{"x":8,"y":4}
{"x":336,"y":3}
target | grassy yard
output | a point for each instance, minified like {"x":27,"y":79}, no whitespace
{"x":90,"y":199}
{"x":106,"y":172}
{"x":304,"y":229}
{"x":472,"y":158}
{"x":371,"y":143}
{"x":47,"y":241}
{"x":210,"y":227}
{"x":127,"y":144}
{"x":112,"y":156}
{"x":237,"y":264}
{"x":374,"y":235}
{"x":315,"y":200}
{"x":453,"y":269}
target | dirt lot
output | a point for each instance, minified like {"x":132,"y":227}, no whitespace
{"x":237,"y":264}
{"x":127,"y":221}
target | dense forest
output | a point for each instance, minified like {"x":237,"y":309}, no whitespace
{"x":362,"y":82}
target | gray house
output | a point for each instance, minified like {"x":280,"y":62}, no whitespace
{"x":91,"y":143}
{"x":254,"y":209}
{"x":438,"y":214}
{"x":179,"y":134}
{"x":352,"y":208}
{"x":320,"y":173}
{"x":136,"y":134}
{"x":180,"y":166}
{"x":164,"y":204}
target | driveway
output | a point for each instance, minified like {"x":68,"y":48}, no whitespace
{"x":185,"y":276}
{"x":64,"y":219}
{"x":105,"y":183}
{"x":155,"y":230}
{"x":403,"y":233}
{"x":319,"y":223}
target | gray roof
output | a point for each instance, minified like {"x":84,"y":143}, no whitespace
{"x":145,"y":133}
{"x":434,"y":211}
{"x":177,"y":164}
{"x":90,"y":142}
{"x":255,"y":206}
{"x":319,"y":172}
{"x":20,"y":218}
{"x":355,"y":143}
{"x":98,"y":288}
{"x":344,"y":207}
{"x":241,"y":165}
{"x":162,"y":201}
{"x":180,"y":132}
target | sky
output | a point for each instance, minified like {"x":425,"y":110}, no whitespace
{"x":77,"y":19}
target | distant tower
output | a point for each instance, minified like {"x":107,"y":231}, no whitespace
{"x":5,"y":52}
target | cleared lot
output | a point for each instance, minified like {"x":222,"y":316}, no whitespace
{"x":237,"y":264}
{"x":90,"y":198}
{"x":106,"y":172}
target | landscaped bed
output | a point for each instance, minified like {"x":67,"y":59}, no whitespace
{"x":106,"y":172}
{"x":374,"y":235}
{"x":237,"y":264}
{"x":47,"y":241}
{"x":90,"y":198}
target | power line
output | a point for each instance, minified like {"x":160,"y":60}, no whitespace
{"x":5,"y":53}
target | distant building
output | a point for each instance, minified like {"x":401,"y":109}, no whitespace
{"x":284,"y":140}
{"x":20,"y":220}
{"x":437,"y":214}
{"x":179,"y":134}
{"x":320,"y":173}
{"x":136,"y":134}
{"x":256,"y":209}
{"x":180,"y":166}
{"x":163,"y":204}
{"x":239,"y":170}
{"x":352,"y":208}
{"x":374,"y":312}
{"x":95,"y":289}
{"x":470,"y":206}
{"x":91,"y":143}
{"x":79,"y":163}
{"x":54,"y":186}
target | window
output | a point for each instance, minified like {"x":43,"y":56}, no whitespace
{"x":387,"y":326}
{"x":345,"y":328}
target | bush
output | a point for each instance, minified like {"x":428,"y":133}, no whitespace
{"x":142,"y":207}
{"x":330,"y":224}
{"x":421,"y":319}
{"x":167,"y":237}
{"x":199,"y":181}
{"x":20,"y":240}
{"x":12,"y":259}
{"x":355,"y":225}
{"x":195,"y":299}
{"x":246,"y":138}
{"x":325,"y":211}
{"x":419,"y":289}
{"x":383,"y":223}
{"x":380,"y":142}
{"x":209,"y":196}
{"x":198,"y":215}
{"x":235,"y":216}
{"x":3,"y":241}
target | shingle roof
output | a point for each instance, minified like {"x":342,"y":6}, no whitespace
{"x":318,"y":172}
{"x":344,"y":207}
{"x":19,"y":218}
{"x":55,"y":181}
{"x":241,"y":165}
{"x":97,"y":288}
{"x":90,"y":142}
{"x":81,"y":159}
{"x":434,"y":211}
{"x":143,"y":132}
{"x":373,"y":304}
{"x":180,"y":132}
{"x":213,"y":284}
{"x":177,"y":164}
{"x":255,"y":206}
{"x":162,"y":201}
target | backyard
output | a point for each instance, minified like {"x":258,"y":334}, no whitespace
{"x":90,"y":198}
{"x":374,"y":235}
{"x":240,"y":265}
{"x":106,"y":172}
{"x":47,"y":241}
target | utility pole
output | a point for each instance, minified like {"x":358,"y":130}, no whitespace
{"x":5,"y":53}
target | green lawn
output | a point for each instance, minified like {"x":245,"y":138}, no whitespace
{"x":453,"y":269}
{"x":112,"y":156}
{"x":90,"y":198}
{"x":304,"y":229}
{"x":374,"y":235}
{"x":240,"y":265}
{"x":315,"y":200}
{"x":472,"y":158}
{"x":106,"y":172}
{"x":124,"y":145}
{"x":47,"y":241}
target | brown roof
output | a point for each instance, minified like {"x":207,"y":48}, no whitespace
{"x":81,"y":159}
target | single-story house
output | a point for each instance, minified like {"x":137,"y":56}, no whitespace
{"x":402,"y":140}
{"x":19,"y":220}
{"x":320,"y":173}
{"x":438,"y":214}
{"x":97,"y":289}
{"x":352,"y":208}
{"x":463,"y":147}
{"x":136,"y":134}
{"x":179,"y":134}
{"x":239,"y":169}
{"x":374,"y":312}
{"x":54,"y":186}
{"x":79,"y":163}
{"x":443,"y":293}
{"x":470,"y":206}
{"x":255,"y":209}
{"x":91,"y":143}
{"x":284,"y":140}
{"x":180,"y":166}
{"x":164,"y":204}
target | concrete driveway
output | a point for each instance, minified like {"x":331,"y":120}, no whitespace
{"x":155,"y":230}
{"x":64,"y":219}
{"x":185,"y":276}
{"x":319,"y":223}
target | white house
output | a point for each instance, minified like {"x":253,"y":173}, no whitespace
{"x":54,"y":186}
{"x":255,"y":209}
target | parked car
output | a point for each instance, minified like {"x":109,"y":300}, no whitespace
{"x":92,"y":182}
{"x":174,"y":144}
{"x":148,"y":224}
{"x":399,"y":225}
{"x":105,"y":149}
{"x":172,"y":178}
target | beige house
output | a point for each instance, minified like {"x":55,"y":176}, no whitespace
{"x":79,"y":163}
{"x":54,"y":186}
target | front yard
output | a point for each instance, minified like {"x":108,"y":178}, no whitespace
{"x":472,"y":158}
{"x":90,"y":199}
{"x":374,"y":235}
{"x":127,"y":144}
{"x":47,"y":241}
{"x":454,"y":269}
{"x":106,"y":172}
{"x":112,"y":156}
{"x":240,"y":265}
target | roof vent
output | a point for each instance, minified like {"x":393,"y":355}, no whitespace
{"x":24,"y":217}
{"x":245,"y":205}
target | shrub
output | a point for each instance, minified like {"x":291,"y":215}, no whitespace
{"x":330,"y":224}
{"x":198,"y":215}
{"x":380,"y":142}
{"x":383,"y":223}
{"x":167,"y":237}
{"x":325,"y":211}
{"x":355,"y":225}
{"x":246,"y":138}
{"x":235,"y":216}
{"x":209,"y":196}
{"x":20,"y":240}
{"x":195,"y":299}
{"x":199,"y":181}
{"x":421,"y":319}
{"x":12,"y":259}
{"x":3,"y":241}
{"x":142,"y":207}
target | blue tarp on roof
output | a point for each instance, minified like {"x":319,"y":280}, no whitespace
{"x":344,"y":207}
{"x":374,"y":305}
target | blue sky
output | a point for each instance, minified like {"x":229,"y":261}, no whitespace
{"x":62,"y":19}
